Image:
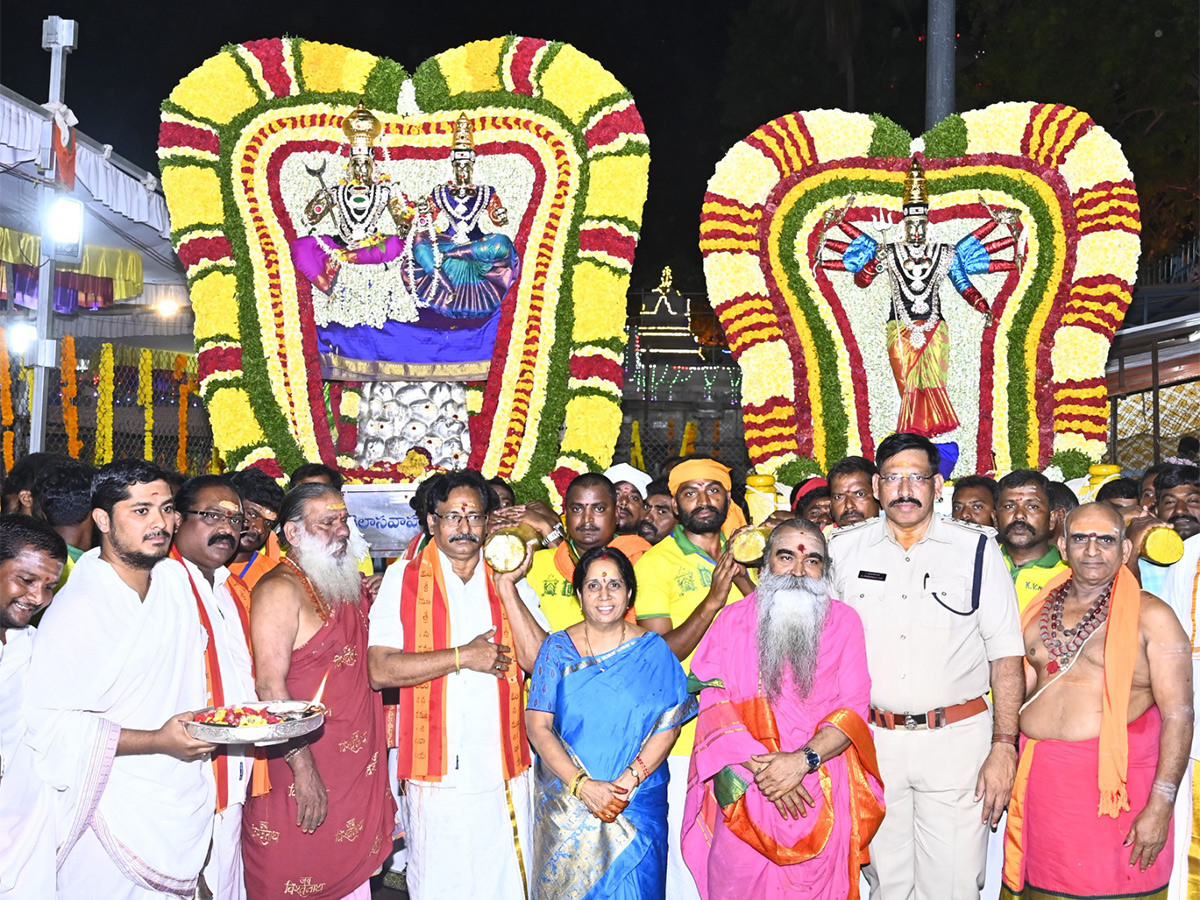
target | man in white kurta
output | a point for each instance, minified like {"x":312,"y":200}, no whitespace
{"x":469,"y":825}
{"x":118,"y":667}
{"x":210,"y":524}
{"x":31,"y":561}
{"x":1181,"y":590}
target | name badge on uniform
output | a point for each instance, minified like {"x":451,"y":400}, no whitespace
{"x":872,"y":576}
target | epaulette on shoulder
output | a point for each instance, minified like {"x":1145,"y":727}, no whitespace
{"x":972,"y":527}
{"x":847,"y":529}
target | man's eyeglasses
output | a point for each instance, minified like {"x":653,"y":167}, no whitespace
{"x":475,"y":520}
{"x":216,"y":518}
{"x":895,"y":478}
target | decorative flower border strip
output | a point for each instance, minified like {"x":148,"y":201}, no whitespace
{"x":1057,"y":340}
{"x":560,"y":370}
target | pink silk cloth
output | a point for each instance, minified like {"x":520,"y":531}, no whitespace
{"x":723,"y":865}
{"x":351,"y":757}
{"x":1062,"y":847}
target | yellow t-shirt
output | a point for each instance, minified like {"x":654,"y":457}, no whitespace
{"x":1032,"y":578}
{"x":555,"y":593}
{"x":673,"y":578}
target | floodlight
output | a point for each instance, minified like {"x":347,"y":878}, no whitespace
{"x":20,"y":337}
{"x":66,"y":230}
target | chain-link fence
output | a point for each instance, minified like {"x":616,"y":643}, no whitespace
{"x":128,"y":416}
{"x":1141,"y":436}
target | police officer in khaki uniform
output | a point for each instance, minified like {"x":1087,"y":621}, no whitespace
{"x":941,"y":623}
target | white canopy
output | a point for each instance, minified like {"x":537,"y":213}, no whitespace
{"x":125,"y":211}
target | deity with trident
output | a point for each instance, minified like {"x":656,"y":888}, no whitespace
{"x":918,"y":340}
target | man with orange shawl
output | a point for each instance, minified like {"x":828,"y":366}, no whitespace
{"x":457,"y":639}
{"x":590,"y":511}
{"x":783,"y":788}
{"x":1106,"y":731}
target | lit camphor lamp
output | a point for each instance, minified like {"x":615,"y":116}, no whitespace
{"x":320,"y":690}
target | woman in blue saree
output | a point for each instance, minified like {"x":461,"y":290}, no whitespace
{"x":606,"y":702}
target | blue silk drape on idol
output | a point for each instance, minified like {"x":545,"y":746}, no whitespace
{"x":604,"y":710}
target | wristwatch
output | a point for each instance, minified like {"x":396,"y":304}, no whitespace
{"x":812,"y":757}
{"x":554,"y":535}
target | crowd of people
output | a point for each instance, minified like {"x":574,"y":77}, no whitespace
{"x":994,"y":702}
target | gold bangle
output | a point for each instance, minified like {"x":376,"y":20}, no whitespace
{"x":457,"y":667}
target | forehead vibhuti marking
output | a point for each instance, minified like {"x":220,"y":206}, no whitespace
{"x":229,"y":505}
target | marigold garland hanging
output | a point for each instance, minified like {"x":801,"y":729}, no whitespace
{"x":636,"y":459}
{"x":145,"y":399}
{"x":70,"y":390}
{"x":181,"y":456}
{"x":6,"y":407}
{"x":689,"y":439}
{"x":103,"y":452}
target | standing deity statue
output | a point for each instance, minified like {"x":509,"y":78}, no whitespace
{"x":918,"y":339}
{"x":351,"y":267}
{"x":460,"y":271}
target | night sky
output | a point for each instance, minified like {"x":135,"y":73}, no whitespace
{"x":703,"y":74}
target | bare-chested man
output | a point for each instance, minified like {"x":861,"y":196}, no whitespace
{"x":326,"y":825}
{"x":1106,"y":731}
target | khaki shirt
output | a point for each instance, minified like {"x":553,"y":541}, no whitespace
{"x":920,"y":654}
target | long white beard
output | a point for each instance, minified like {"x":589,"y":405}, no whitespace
{"x":791,"y":616}
{"x":331,"y":568}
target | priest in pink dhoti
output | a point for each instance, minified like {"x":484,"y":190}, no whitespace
{"x":783,"y":789}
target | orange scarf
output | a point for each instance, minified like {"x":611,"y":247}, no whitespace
{"x":632,"y":545}
{"x":259,"y":782}
{"x":866,"y":812}
{"x":1120,"y":658}
{"x":425,"y":617}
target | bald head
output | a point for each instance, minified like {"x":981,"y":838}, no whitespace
{"x":1087,"y":511}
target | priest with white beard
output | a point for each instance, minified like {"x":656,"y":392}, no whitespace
{"x":783,"y":789}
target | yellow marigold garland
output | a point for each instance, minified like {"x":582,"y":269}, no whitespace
{"x":6,"y":405}
{"x":104,"y":408}
{"x":70,"y":390}
{"x":181,"y":460}
{"x":145,"y":399}
{"x":636,"y":459}
{"x":689,"y":439}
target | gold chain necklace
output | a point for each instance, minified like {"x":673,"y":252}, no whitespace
{"x":588,"y":641}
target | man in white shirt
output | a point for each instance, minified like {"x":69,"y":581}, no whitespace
{"x":210,"y":522}
{"x":31,"y":561}
{"x":453,"y":635}
{"x":1181,"y":591}
{"x":117,"y":670}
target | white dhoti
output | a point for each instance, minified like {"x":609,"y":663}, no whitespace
{"x":223,"y":874}
{"x":90,"y":873}
{"x":399,"y":858}
{"x":461,"y":844}
{"x":680,"y":883}
{"x":106,"y":660}
{"x":1181,"y":591}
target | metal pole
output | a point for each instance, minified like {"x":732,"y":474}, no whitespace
{"x":939,"y":61}
{"x":58,"y":36}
